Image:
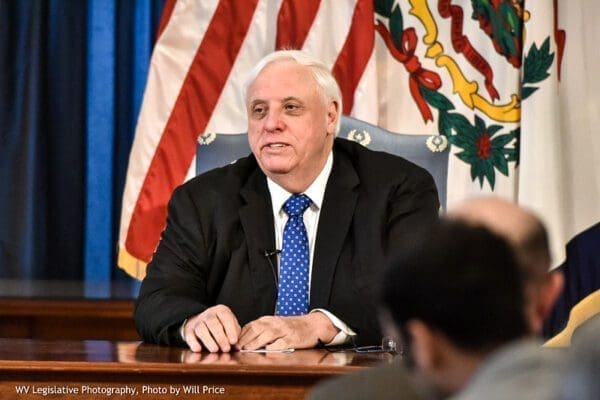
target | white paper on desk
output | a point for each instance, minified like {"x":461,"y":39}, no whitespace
{"x":289,"y":350}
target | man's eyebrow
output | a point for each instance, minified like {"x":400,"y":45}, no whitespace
{"x":288,"y":98}
{"x":292,"y":98}
{"x":257,"y":101}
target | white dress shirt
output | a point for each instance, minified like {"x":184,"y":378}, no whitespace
{"x":316,"y":192}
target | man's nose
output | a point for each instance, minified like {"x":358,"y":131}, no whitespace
{"x":273,"y":121}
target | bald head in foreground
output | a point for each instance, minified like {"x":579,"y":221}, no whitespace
{"x":528,"y":237}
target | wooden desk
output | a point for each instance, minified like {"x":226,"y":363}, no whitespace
{"x":90,"y":369}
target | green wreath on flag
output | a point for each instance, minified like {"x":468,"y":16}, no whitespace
{"x":488,"y":149}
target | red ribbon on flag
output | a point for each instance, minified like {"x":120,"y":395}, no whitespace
{"x":463,"y":45}
{"x":419,"y":76}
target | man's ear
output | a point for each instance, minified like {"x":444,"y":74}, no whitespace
{"x":544,"y":297}
{"x":425,"y":345}
{"x":553,"y":287}
{"x":332,"y":117}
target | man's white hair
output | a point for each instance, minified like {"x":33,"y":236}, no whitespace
{"x":327,"y":86}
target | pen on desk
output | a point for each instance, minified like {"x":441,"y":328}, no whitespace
{"x":288,"y":350}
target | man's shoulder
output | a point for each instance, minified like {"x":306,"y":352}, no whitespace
{"x":369,"y":162}
{"x":384,"y":382}
{"x":227,"y":179}
{"x":219,"y":187}
{"x":521,"y":369}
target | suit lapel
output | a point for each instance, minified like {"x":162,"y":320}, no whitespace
{"x":256,"y":217}
{"x":334,"y":222}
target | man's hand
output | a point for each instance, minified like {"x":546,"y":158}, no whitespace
{"x":215,"y":329}
{"x":278,"y":333}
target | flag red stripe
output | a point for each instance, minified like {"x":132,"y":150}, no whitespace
{"x":165,"y":17}
{"x":294,"y":21}
{"x":352,"y":60}
{"x":192,"y":110}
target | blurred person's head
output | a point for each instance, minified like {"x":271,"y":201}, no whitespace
{"x":529,"y":239}
{"x":455,"y":295}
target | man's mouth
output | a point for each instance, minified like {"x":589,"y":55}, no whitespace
{"x":276,"y":145}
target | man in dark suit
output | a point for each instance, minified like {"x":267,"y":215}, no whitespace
{"x":283,"y":248}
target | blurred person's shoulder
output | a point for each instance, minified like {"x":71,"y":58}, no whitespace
{"x":390,"y":381}
{"x":521,"y":369}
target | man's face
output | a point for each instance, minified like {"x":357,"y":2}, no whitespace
{"x":290,"y":128}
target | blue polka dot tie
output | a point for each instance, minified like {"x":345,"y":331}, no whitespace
{"x":292,"y":296}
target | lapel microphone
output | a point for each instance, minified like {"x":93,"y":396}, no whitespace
{"x":271,"y":253}
{"x":268,"y":254}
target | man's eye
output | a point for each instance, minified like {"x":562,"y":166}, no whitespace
{"x":258,"y":111}
{"x":292,"y":107}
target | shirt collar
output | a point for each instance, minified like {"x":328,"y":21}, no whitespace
{"x":316,"y":190}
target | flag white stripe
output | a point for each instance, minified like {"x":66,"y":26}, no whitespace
{"x":366,"y":94}
{"x":329,"y":30}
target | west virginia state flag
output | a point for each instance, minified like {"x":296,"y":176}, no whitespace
{"x":506,"y":84}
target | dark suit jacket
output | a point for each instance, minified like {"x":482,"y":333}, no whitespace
{"x":220,"y":224}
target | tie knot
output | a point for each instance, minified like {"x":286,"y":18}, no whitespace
{"x":296,"y":204}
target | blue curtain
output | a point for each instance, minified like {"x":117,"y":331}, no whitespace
{"x":72,"y":75}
